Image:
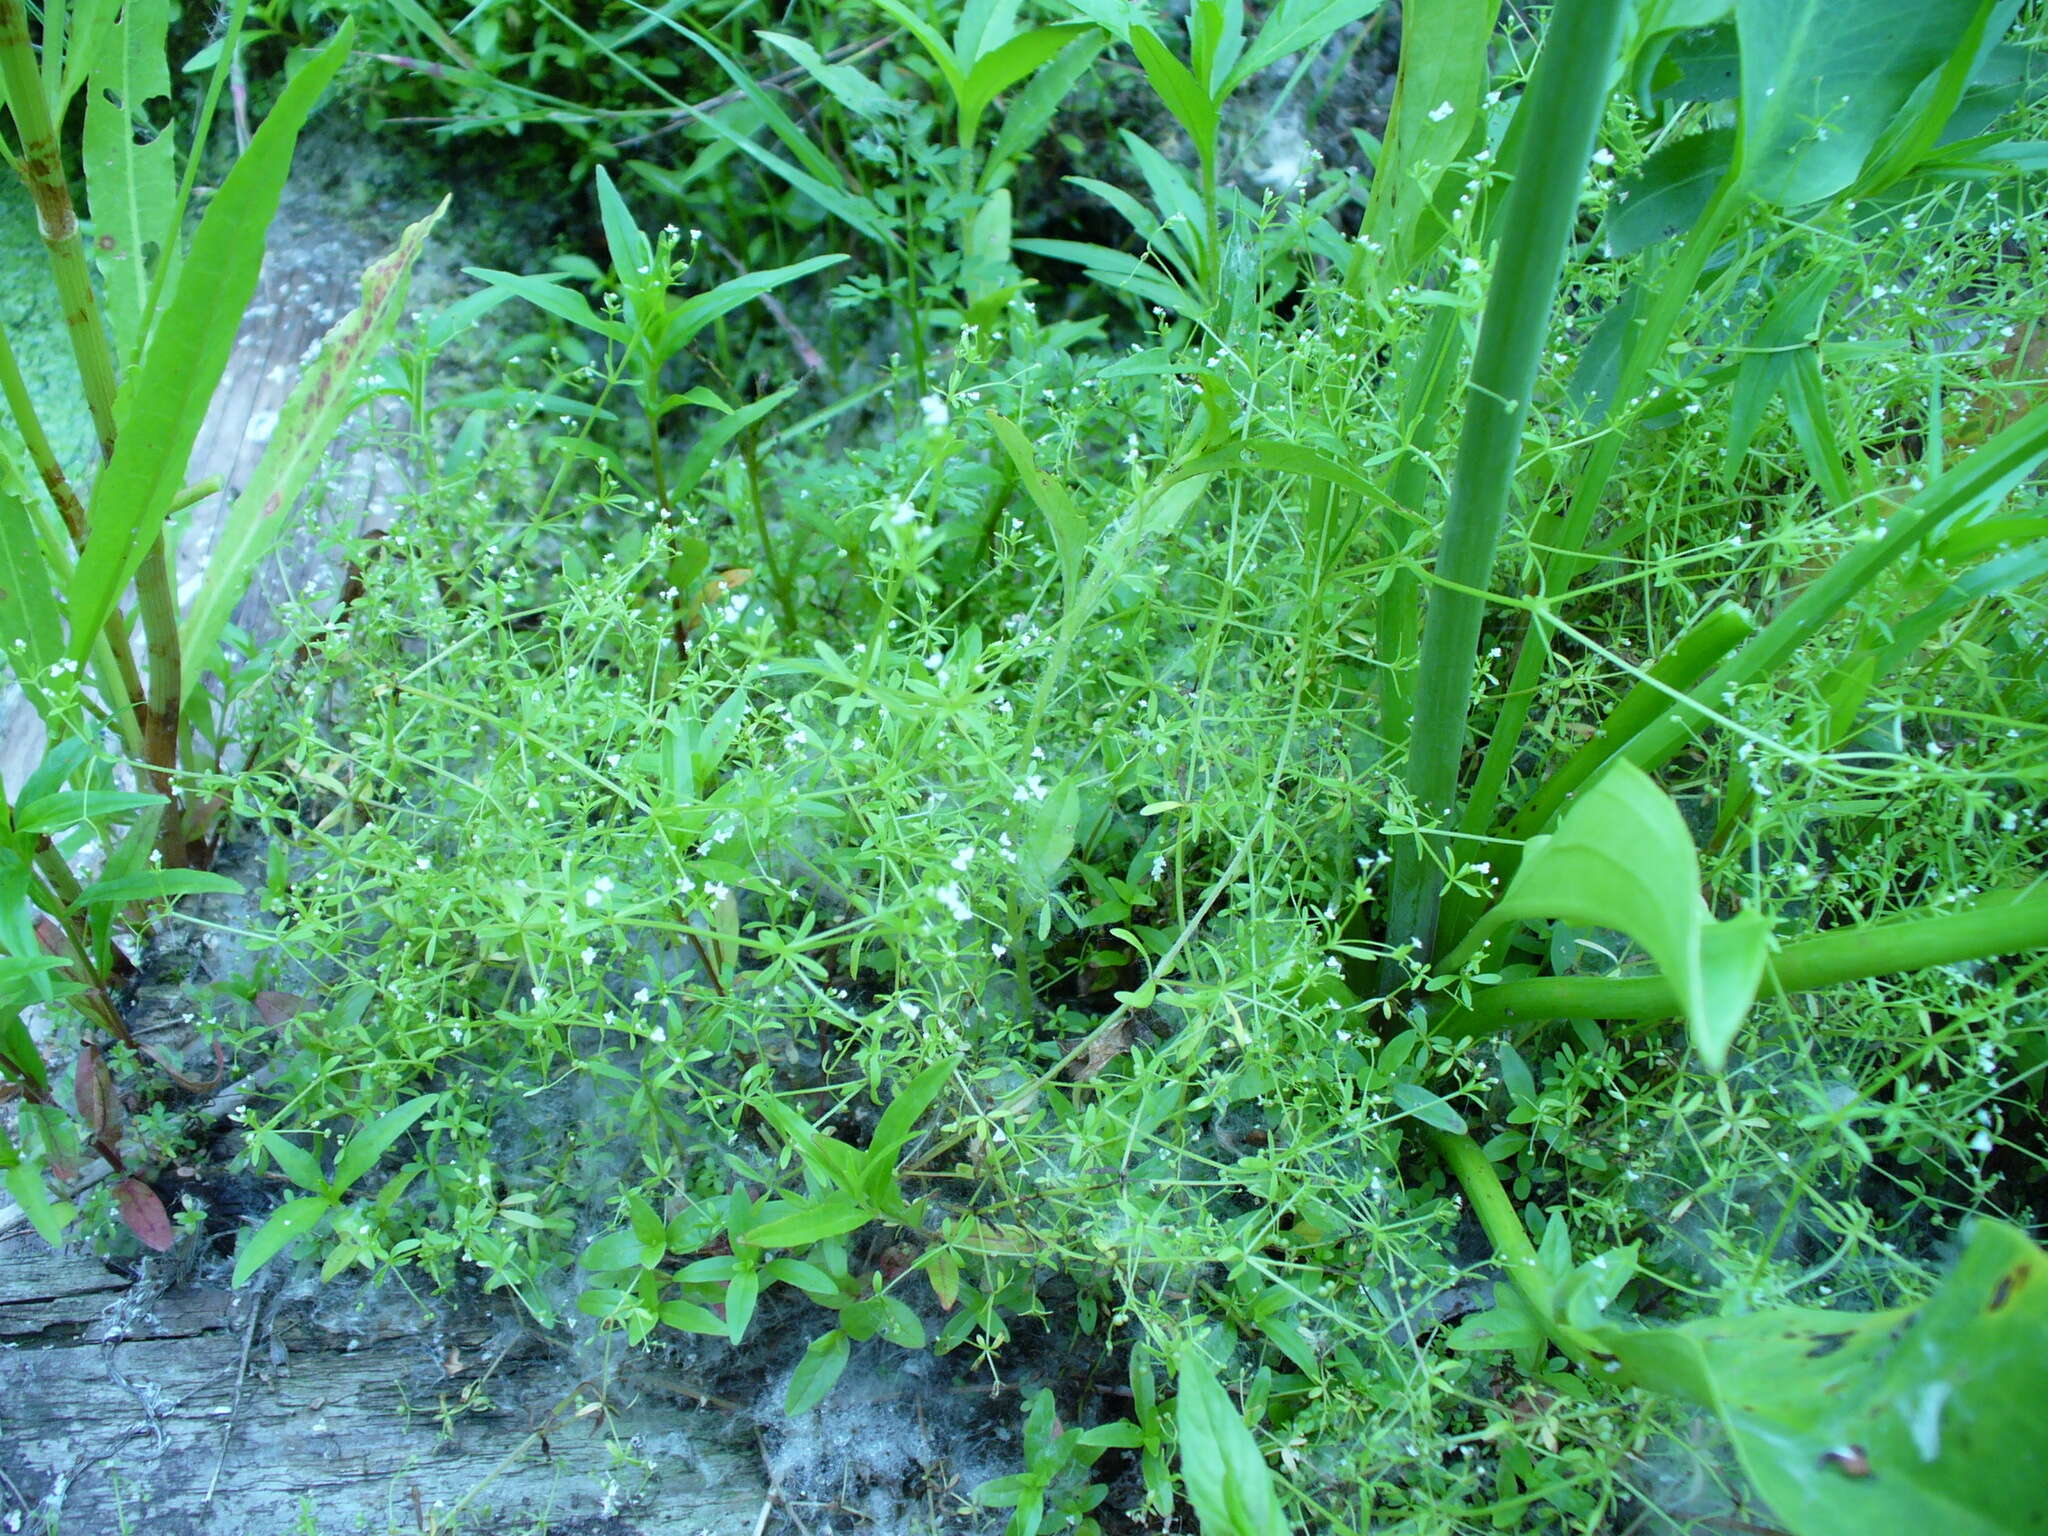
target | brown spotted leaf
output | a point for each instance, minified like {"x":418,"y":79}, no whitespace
{"x":1896,"y":1423}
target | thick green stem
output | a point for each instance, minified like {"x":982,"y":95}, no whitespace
{"x":1511,"y":1245}
{"x":42,"y":168}
{"x":2003,"y":923}
{"x":1565,"y":556}
{"x":1565,"y":98}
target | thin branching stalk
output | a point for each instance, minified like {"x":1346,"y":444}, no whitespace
{"x":1563,"y":105}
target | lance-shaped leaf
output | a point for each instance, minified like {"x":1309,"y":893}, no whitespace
{"x":1923,"y":1419}
{"x":130,"y":167}
{"x":306,"y":425}
{"x":1622,"y":858}
{"x":165,"y":400}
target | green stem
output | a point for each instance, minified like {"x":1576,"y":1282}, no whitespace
{"x":1511,"y":1245}
{"x":1565,"y":98}
{"x":42,"y":169}
{"x":2002,"y":923}
{"x":1565,"y":558}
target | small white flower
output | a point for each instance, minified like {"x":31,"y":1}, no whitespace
{"x":963,"y":858}
{"x":1441,"y":111}
{"x":935,"y":411}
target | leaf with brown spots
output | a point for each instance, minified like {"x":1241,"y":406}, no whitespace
{"x":1880,"y":1423}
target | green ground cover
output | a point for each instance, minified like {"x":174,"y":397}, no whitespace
{"x":1380,"y":839}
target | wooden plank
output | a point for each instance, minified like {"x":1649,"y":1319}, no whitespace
{"x":358,"y":1410}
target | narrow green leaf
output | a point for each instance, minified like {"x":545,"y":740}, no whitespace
{"x":1177,"y":90}
{"x":699,"y":310}
{"x":1067,"y":522}
{"x":817,"y":1373}
{"x":552,"y":295}
{"x":371,"y":1142}
{"x":848,"y":86}
{"x":167,"y":396}
{"x":130,"y":165}
{"x":1428,"y":1107}
{"x":31,"y":620}
{"x":157,"y":885}
{"x":811,"y":1223}
{"x":318,"y":405}
{"x":287,"y":1224}
{"x":299,"y":1165}
{"x":1002,"y":67}
{"x":904,"y":1111}
{"x":1443,"y":64}
{"x":61,"y":810}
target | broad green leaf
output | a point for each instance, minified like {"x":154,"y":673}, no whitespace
{"x":1227,"y":1479}
{"x":318,"y":405}
{"x":624,"y":1249}
{"x":165,"y":398}
{"x":1668,"y":195}
{"x":817,"y":1373}
{"x":1822,"y":81}
{"x":1622,"y":858}
{"x":156,"y":885}
{"x":49,"y":1217}
{"x":1901,"y":1423}
{"x":372,"y":1141}
{"x":130,"y":166}
{"x":1443,"y":64}
{"x":287,"y":1224}
{"x":1913,"y":133}
{"x":809,"y":1224}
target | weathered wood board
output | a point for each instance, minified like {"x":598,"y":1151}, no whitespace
{"x":120,"y":1411}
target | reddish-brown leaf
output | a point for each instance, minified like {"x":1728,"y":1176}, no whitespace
{"x":145,"y":1215}
{"x":93,"y":1088}
{"x":274,"y":1008}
